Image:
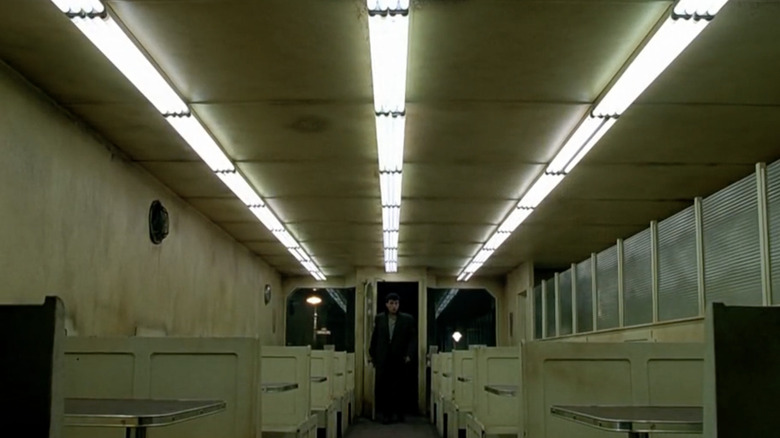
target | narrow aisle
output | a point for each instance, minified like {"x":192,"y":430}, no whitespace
{"x":413,"y":427}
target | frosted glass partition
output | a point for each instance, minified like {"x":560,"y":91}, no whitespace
{"x":538,"y":312}
{"x":773,"y":188}
{"x":564,"y":303}
{"x":638,"y":279}
{"x":719,"y":259}
{"x":607,"y":289}
{"x":732,"y":258}
{"x":678,"y":287}
{"x":548,"y":287}
{"x":584,"y":298}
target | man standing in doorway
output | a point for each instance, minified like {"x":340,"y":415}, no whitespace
{"x":391,"y":351}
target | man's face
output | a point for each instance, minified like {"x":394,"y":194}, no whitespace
{"x":392,"y":306}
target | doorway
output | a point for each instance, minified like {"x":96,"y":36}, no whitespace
{"x":408,"y":293}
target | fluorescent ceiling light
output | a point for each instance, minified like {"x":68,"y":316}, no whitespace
{"x":515,"y":218}
{"x":190,"y":129}
{"x":498,"y":238}
{"x":267,"y":218}
{"x":391,"y":254}
{"x":664,"y":47}
{"x":701,"y":8}
{"x":236,"y":182}
{"x":385,"y":5}
{"x":473,"y":267}
{"x":299,"y":255}
{"x":483,"y":255}
{"x":390,"y":188}
{"x":391,"y":218}
{"x":390,"y":142}
{"x":286,"y":239}
{"x":75,"y":6}
{"x":574,"y":144}
{"x":541,"y":188}
{"x":389,"y":35}
{"x":589,"y":145}
{"x":465,"y":276}
{"x":391,"y":239}
{"x":109,"y":38}
{"x":388,"y":28}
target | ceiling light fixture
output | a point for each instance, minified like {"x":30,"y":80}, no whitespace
{"x":680,"y":28}
{"x":112,"y":41}
{"x":91,"y":17}
{"x":388,"y":28}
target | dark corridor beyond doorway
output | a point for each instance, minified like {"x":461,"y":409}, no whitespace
{"x":408,"y":293}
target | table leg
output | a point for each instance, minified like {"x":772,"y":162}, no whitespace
{"x":135,"y":432}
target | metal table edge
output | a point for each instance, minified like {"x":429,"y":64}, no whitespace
{"x":635,"y":426}
{"x":136,"y":421}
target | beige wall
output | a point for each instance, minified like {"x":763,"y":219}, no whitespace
{"x":73,"y":223}
{"x":689,"y":330}
{"x":519,"y":284}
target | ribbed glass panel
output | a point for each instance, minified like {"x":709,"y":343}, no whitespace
{"x":773,"y":187}
{"x":732,"y":258}
{"x":637,"y":279}
{"x":678,"y":288}
{"x":564,"y":302}
{"x":538,"y":312}
{"x":549,"y":296}
{"x":584,"y":297}
{"x":607,"y":291}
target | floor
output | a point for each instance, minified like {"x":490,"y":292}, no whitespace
{"x":413,"y":427}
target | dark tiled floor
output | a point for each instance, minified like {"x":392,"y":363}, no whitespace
{"x":413,"y":427}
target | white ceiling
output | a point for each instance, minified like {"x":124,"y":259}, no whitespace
{"x":494,"y":88}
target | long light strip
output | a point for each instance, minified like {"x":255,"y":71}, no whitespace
{"x":91,"y":17}
{"x":388,"y":28}
{"x":680,"y":28}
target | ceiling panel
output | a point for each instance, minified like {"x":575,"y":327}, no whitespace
{"x":313,"y":180}
{"x":355,"y":251}
{"x":223,"y":210}
{"x":138,"y":130}
{"x":735,"y":60}
{"x":468,"y":181}
{"x":340,"y":231}
{"x":189,"y":179}
{"x":523,"y":50}
{"x":323,"y":210}
{"x":496,"y":132}
{"x":294,"y":131}
{"x":237,"y":50}
{"x":559,"y":244}
{"x":648,"y":181}
{"x":252,"y":231}
{"x":438,"y":261}
{"x":264,"y":249}
{"x":700,"y":134}
{"x":604,"y":212}
{"x":427,"y":248}
{"x":444,"y":233}
{"x":435,"y":211}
